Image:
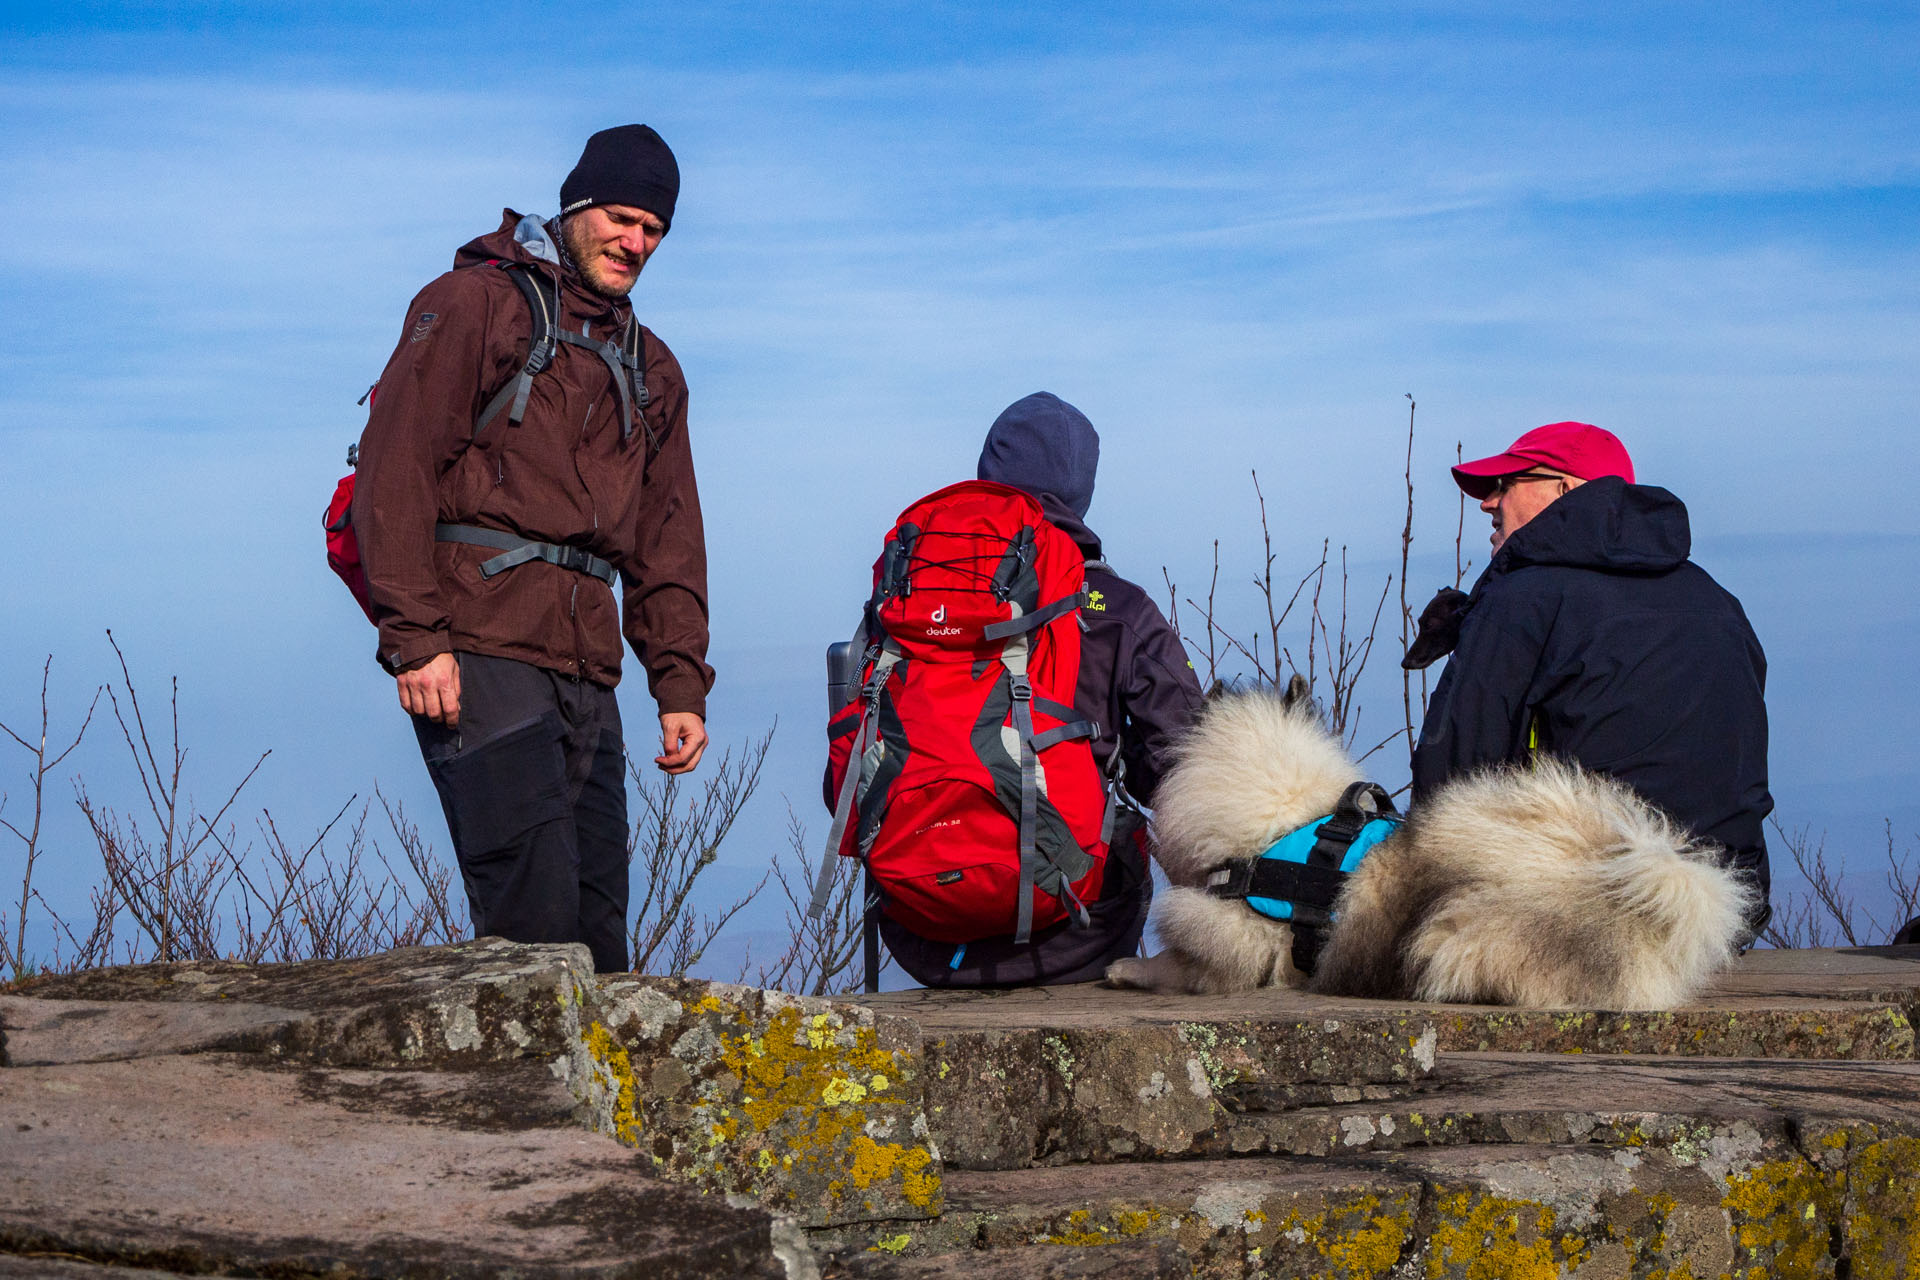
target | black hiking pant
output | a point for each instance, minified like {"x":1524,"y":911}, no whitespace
{"x":533,"y":783}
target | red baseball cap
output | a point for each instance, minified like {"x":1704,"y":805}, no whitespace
{"x":1577,"y":448}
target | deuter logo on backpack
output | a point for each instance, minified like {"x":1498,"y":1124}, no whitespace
{"x":963,"y":776}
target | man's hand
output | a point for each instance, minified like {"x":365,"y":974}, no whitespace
{"x":433,"y":691}
{"x":683,"y":736}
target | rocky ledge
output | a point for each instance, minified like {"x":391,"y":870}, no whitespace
{"x":494,"y":1109}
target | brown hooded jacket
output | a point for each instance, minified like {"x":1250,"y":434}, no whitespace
{"x":564,"y":475}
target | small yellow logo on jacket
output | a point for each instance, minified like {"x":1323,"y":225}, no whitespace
{"x":1096,"y":602}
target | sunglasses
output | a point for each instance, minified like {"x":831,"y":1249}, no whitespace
{"x":1503,"y":483}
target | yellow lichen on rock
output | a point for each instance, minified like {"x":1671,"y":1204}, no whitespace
{"x":1781,"y":1212}
{"x":798,"y":1088}
{"x":623,"y":1117}
{"x":870,"y":1162}
{"x":1883,"y":1209}
{"x":1494,"y":1238}
{"x":1357,"y":1239}
{"x":841,"y":1090}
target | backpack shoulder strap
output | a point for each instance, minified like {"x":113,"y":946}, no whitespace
{"x":543,"y":305}
{"x":635,"y":360}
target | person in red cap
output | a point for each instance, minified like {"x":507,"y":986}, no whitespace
{"x":1593,"y":636}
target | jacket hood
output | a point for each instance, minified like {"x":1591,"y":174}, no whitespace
{"x":1603,"y":524}
{"x":518,"y":238}
{"x":531,"y":238}
{"x":1072,"y":525}
{"x":1042,"y":444}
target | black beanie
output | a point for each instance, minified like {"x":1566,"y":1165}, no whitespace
{"x":628,"y":164}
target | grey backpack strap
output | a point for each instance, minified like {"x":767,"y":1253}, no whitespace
{"x":516,"y":551}
{"x":615,"y":359}
{"x":533,"y":287}
{"x":890,"y":657}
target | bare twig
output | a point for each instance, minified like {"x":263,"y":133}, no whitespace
{"x":1406,"y":613}
{"x":13,"y":957}
{"x":671,"y":844}
{"x":823,"y":956}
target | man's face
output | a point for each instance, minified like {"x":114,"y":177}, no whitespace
{"x":610,"y":244}
{"x":1518,"y":498}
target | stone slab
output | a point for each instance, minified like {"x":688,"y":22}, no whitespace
{"x":47,"y":1266}
{"x":1851,"y":1196}
{"x":1059,"y":1074}
{"x":39,"y":1033}
{"x":210,"y":1163}
{"x":460,"y":1005}
{"x":1705,"y":1109}
{"x":1885,"y":974}
{"x":1833,"y":1004}
{"x":812,"y":1107}
{"x":1831,"y":1030}
{"x":1132,"y":1260}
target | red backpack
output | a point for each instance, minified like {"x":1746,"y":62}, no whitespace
{"x":965,"y":777}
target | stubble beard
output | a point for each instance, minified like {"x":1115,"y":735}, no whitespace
{"x":586,"y":262}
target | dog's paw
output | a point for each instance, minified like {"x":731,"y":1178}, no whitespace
{"x":1131,"y":974}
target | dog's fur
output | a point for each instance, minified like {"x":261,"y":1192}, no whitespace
{"x":1545,"y":886}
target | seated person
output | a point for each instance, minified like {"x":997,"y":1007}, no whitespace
{"x":1591,"y":635}
{"x":1135,"y":682}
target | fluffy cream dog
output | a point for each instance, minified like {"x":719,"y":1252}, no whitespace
{"x":1545,"y":886}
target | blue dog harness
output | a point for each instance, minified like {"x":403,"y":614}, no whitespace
{"x":1300,"y":876}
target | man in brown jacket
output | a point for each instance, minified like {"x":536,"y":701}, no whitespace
{"x":527,"y":450}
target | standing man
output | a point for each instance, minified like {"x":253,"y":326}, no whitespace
{"x":526,"y":457}
{"x":1591,"y":635}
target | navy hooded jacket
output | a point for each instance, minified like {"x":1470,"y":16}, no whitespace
{"x":1592,"y":629}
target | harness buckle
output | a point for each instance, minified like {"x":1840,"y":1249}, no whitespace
{"x":1232,"y":881}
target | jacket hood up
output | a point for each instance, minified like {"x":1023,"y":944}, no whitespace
{"x":1044,"y":445}
{"x":1603,"y":524}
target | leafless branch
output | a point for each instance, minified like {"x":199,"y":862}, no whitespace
{"x":823,"y":956}
{"x":672,"y":843}
{"x":13,"y":957}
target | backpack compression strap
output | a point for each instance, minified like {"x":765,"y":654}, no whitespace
{"x":625,"y":361}
{"x":1014,"y":658}
{"x":868,"y":729}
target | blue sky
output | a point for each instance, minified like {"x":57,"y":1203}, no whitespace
{"x":1235,"y":235}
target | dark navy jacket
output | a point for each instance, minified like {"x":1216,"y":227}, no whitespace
{"x":1592,"y":628}
{"x":1135,"y":676}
